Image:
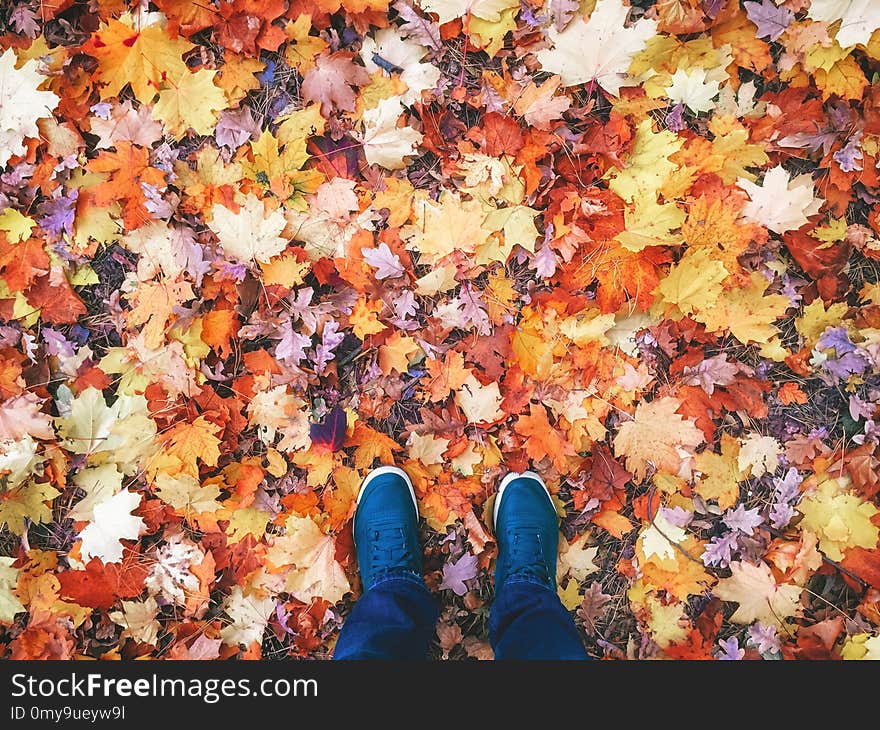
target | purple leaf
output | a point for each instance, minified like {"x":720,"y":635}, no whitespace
{"x":330,"y":432}
{"x":415,"y":26}
{"x":236,"y":127}
{"x":56,"y":215}
{"x":711,"y":372}
{"x":544,"y":262}
{"x":742,"y":519}
{"x":853,"y":363}
{"x":455,"y":574}
{"x":763,"y":638}
{"x":24,"y":20}
{"x":292,"y":347}
{"x":384,"y":260}
{"x":850,"y":157}
{"x":712,"y":7}
{"x":770,"y":19}
{"x":730,"y":650}
{"x":859,"y":409}
{"x":562,"y":11}
{"x":719,"y":550}
{"x":675,"y":118}
{"x":330,"y":339}
{"x":837,"y":339}
{"x":56,"y":343}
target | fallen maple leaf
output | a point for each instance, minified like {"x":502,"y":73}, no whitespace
{"x":542,"y":440}
{"x":21,"y":104}
{"x":251,"y":234}
{"x":657,"y":439}
{"x":102,"y":538}
{"x":759,"y":597}
{"x":780,"y":203}
{"x":599,"y":49}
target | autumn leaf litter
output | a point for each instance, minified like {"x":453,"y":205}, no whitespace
{"x":248,"y":252}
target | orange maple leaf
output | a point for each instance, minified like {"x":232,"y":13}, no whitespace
{"x":542,"y":440}
{"x":128,"y":168}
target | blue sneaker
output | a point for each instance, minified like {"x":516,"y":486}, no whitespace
{"x":526,"y":529}
{"x":386,"y":525}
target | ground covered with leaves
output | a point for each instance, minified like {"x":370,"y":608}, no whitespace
{"x":250,"y":249}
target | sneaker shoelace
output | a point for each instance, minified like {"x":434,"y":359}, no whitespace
{"x":527,"y":553}
{"x":389,"y":549}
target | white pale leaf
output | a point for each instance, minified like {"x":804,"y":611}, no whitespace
{"x":599,"y":49}
{"x":113,"y":522}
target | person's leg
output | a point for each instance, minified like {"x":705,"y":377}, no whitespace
{"x":395,"y":616}
{"x":527,"y":620}
{"x":395,"y":619}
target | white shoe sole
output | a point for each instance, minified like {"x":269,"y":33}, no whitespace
{"x":389,"y":470}
{"x":507,"y":480}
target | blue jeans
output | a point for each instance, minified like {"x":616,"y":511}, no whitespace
{"x":396,"y":618}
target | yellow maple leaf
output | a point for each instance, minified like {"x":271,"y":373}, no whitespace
{"x":153,"y":305}
{"x":648,"y":164}
{"x":731,"y":142}
{"x":237,"y":76}
{"x":480,"y":404}
{"x":576,"y":559}
{"x":302,"y":47}
{"x":364,"y":318}
{"x":251,"y":234}
{"x":861,"y":646}
{"x":186,"y":495}
{"x":300,"y":124}
{"x":680,"y":576}
{"x":489,"y":35}
{"x":285,"y":270}
{"x":26,"y":502}
{"x":694,"y":283}
{"x":713,"y":224}
{"x":517,"y":222}
{"x":191,"y":442}
{"x":17,"y":226}
{"x":759,"y":597}
{"x":443,"y":227}
{"x":845,"y":79}
{"x":533,"y":344}
{"x":279,"y":167}
{"x":190,"y":101}
{"x":9,"y":603}
{"x":307,"y":556}
{"x":748,"y":313}
{"x":244,"y":521}
{"x":720,"y":474}
{"x":839,"y":518}
{"x":141,"y":57}
{"x":570,"y":595}
{"x":396,"y":353}
{"x":649,"y":223}
{"x":667,"y":624}
{"x":815,"y":318}
{"x":657,"y":438}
